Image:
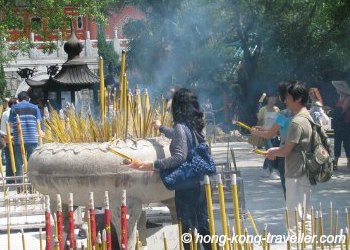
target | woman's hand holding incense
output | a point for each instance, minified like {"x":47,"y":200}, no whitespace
{"x":146,"y":166}
{"x":143,"y":166}
{"x":157,"y":124}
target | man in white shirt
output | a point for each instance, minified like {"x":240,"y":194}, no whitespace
{"x":6,"y":156}
{"x":317,"y":113}
{"x":5,"y":114}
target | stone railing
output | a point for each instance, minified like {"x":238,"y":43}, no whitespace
{"x":90,"y":49}
{"x":37,"y":60}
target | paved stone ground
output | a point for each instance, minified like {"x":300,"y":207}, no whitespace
{"x":263,"y":198}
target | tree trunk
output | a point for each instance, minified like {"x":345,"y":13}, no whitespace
{"x":247,"y":70}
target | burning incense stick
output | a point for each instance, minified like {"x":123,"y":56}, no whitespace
{"x":251,"y":219}
{"x":10,"y":147}
{"x":40,"y":137}
{"x":48,"y":223}
{"x":246,"y":241}
{"x":296,"y":227}
{"x":287,"y":220}
{"x":138,"y":247}
{"x":194,"y":239}
{"x":124,"y":222}
{"x":210,"y":209}
{"x":341,"y":243}
{"x":102,"y":91}
{"x":107,"y":230}
{"x":121,"y":155}
{"x":264,"y":237}
{"x":223,"y":210}
{"x":56,"y":244}
{"x":347,"y":238}
{"x":190,"y":243}
{"x":165,"y":241}
{"x":92,"y":220}
{"x":71,"y":221}
{"x":259,"y":152}
{"x":2,"y":176}
{"x":104,"y":240}
{"x":8,"y":222}
{"x":316,"y":231}
{"x":123,"y":89}
{"x":346,"y":218}
{"x":312,"y":220}
{"x":99,"y":241}
{"x":234,"y":244}
{"x":179,"y":223}
{"x":336,"y":224}
{"x":330,"y":232}
{"x":236,"y":205}
{"x":303,"y":229}
{"x":23,"y":240}
{"x":21,"y":143}
{"x":59,"y":222}
{"x":89,"y":244}
{"x":41,"y":238}
{"x":243,"y":125}
{"x":321,"y":228}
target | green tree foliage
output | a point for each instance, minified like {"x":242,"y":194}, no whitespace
{"x":181,"y":42}
{"x":252,"y":43}
{"x":2,"y":81}
{"x":306,"y":39}
{"x":110,"y":57}
{"x":51,"y":13}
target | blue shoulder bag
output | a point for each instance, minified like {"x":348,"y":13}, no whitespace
{"x":198,"y":163}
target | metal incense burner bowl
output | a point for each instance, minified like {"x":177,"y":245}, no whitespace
{"x":80,"y":168}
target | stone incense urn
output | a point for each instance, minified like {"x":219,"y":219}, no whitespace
{"x":80,"y":168}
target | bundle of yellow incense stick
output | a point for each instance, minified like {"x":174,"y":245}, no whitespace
{"x":128,"y":159}
{"x":259,"y":151}
{"x":241,"y":124}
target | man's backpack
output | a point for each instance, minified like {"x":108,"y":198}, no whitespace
{"x":318,"y":156}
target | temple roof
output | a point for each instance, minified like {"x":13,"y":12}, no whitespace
{"x":71,"y":74}
{"x":78,"y":75}
{"x":74,"y":74}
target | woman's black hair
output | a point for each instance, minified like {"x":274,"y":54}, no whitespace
{"x":12,"y":101}
{"x":186,"y":110}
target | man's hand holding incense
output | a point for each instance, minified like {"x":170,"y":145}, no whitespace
{"x":257,"y":130}
{"x":271,"y":153}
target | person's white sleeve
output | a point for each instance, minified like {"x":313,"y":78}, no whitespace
{"x":326,"y":122}
{"x":4,"y":120}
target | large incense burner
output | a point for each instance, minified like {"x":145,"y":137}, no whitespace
{"x":80,"y":168}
